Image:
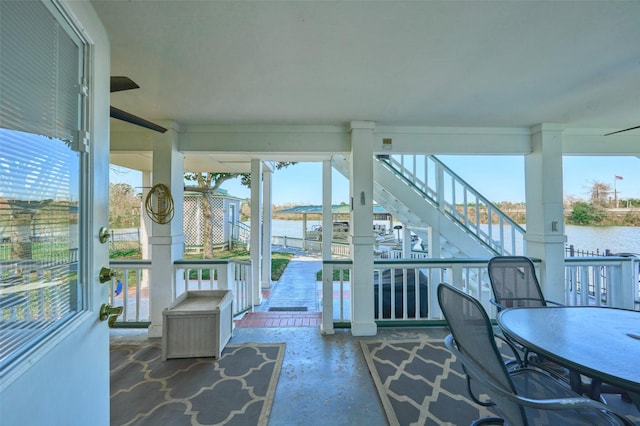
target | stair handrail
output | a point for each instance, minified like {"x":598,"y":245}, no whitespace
{"x":433,"y":187}
{"x":240,"y":232}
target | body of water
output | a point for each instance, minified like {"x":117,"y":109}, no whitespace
{"x":617,"y":239}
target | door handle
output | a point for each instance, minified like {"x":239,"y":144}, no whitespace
{"x":106,"y":274}
{"x":110,"y":313}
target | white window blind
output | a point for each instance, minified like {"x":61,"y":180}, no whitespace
{"x":41,"y":64}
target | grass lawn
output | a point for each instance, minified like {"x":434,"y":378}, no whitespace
{"x":279,"y":260}
{"x":336,"y":275}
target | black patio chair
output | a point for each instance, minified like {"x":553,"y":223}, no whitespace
{"x":515,"y":285}
{"x":523,"y":396}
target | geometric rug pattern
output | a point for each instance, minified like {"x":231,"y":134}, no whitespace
{"x":237,"y":389}
{"x":420,"y":383}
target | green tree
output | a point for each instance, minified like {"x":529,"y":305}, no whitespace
{"x":209,"y":183}
{"x":124,"y":205}
{"x":633,"y":202}
{"x":586,"y":214}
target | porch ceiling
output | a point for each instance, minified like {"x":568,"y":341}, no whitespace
{"x":398,"y":63}
{"x":197,"y":162}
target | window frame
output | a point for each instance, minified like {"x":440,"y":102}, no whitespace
{"x":38,"y":345}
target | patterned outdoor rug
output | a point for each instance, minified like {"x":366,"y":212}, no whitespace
{"x":238,"y":389}
{"x":419,"y":383}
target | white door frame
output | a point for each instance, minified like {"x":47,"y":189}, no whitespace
{"x":65,"y":379}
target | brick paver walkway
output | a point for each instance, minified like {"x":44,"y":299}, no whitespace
{"x":296,"y":289}
{"x":280,"y":319}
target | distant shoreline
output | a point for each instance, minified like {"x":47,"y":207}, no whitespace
{"x":614,"y":216}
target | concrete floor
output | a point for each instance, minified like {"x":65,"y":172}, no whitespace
{"x":324,"y":379}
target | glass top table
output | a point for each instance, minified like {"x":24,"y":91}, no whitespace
{"x":602,"y":343}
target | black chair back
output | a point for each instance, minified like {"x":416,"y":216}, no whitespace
{"x":514,"y":282}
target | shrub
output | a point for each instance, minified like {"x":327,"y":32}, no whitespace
{"x":586,"y":214}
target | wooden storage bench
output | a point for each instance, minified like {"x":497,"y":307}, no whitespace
{"x":197,"y":324}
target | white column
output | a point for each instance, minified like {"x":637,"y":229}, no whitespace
{"x":360,"y":231}
{"x":327,"y":272}
{"x":167,"y":240}
{"x":406,"y":242}
{"x":304,"y":231}
{"x":433,"y":243}
{"x":327,"y":209}
{"x":545,"y":237}
{"x":145,"y":229}
{"x":266,"y":228}
{"x":255,"y":246}
{"x":145,"y":222}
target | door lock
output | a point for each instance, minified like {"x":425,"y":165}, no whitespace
{"x":103,"y":234}
{"x":110,"y":313}
{"x":106,"y":274}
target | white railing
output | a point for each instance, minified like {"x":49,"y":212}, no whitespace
{"x":459,"y":201}
{"x":129,"y":288}
{"x":398,"y":254}
{"x":240,"y":233}
{"x":339,"y":249}
{"x":36,"y":297}
{"x":313,"y":246}
{"x":211,"y":274}
{"x":336,"y":292}
{"x":603,"y":281}
{"x":409,"y":294}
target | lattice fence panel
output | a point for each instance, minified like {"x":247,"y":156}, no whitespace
{"x":217,"y":219}
{"x":192,"y":223}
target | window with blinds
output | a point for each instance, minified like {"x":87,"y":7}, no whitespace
{"x":41,"y":101}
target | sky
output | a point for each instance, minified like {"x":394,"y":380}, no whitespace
{"x":499,"y":178}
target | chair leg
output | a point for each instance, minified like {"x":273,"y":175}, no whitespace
{"x":595,"y":389}
{"x":598,"y":388}
{"x":575,"y":382}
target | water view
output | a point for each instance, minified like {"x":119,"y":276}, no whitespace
{"x":617,"y":239}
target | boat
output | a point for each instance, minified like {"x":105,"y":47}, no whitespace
{"x":340,"y":232}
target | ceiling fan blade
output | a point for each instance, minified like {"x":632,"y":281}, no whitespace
{"x":133,"y":119}
{"x":620,"y":131}
{"x":119,"y":83}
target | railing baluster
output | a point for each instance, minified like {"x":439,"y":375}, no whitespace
{"x":342,"y":301}
{"x":125,"y":294}
{"x":138,"y":293}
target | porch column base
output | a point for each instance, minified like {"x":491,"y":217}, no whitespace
{"x":154,"y":331}
{"x":364,"y":328}
{"x":327,"y":330}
